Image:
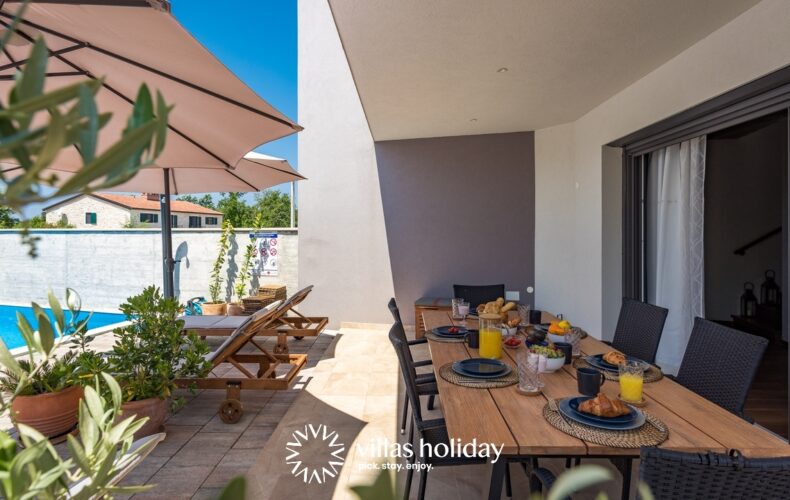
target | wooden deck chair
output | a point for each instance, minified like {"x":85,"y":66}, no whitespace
{"x":274,"y":371}
{"x":283,"y":325}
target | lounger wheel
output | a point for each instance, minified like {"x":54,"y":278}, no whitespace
{"x":230,"y":411}
{"x":299,"y":338}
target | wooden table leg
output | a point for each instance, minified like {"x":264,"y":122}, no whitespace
{"x":492,"y":489}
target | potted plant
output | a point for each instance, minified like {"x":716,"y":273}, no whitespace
{"x":46,"y":392}
{"x":218,"y":306}
{"x":243,"y":278}
{"x":49,"y":401}
{"x":240,"y":286}
{"x":150,"y":353}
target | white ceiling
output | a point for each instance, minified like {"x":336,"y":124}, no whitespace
{"x":427,"y":68}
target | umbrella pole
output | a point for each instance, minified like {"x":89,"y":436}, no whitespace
{"x":168,"y":267}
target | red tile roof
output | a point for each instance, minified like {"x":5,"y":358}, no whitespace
{"x":143,"y":203}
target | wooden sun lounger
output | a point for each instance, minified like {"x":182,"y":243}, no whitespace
{"x":299,"y":326}
{"x":280,"y":325}
{"x":269,"y":374}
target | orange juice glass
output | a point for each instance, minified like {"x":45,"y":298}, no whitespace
{"x":631,"y":381}
{"x":490,"y":336}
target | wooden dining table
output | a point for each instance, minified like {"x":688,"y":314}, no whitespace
{"x":503,"y":416}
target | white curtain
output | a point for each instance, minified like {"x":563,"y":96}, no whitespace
{"x":675,"y":270}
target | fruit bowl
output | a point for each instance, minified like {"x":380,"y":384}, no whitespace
{"x":553,"y":337}
{"x":512,"y":343}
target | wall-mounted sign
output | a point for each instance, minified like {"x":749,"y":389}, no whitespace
{"x":265,"y":257}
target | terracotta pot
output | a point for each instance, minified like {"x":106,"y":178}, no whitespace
{"x":213,"y":308}
{"x":235,"y":309}
{"x":153,"y":408}
{"x":52,"y":414}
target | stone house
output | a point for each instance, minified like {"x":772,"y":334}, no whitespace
{"x":114,"y":211}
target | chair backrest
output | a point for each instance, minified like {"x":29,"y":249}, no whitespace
{"x":398,"y":339}
{"x":244,"y":332}
{"x":720,"y":363}
{"x":639,"y":329}
{"x":394,"y":310}
{"x":671,"y":474}
{"x":478,"y":294}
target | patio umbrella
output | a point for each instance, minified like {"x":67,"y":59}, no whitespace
{"x":216,"y":118}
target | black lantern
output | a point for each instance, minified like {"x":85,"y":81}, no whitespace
{"x":748,"y":301}
{"x":770,"y":293}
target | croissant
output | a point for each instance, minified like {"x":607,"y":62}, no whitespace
{"x":507,"y":307}
{"x":614,"y":357}
{"x":604,"y":407}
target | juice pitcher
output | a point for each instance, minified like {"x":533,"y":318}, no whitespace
{"x":490,"y":336}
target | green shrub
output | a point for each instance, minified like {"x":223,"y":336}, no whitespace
{"x":151,"y":352}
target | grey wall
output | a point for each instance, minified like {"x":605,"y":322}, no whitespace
{"x":743,"y":200}
{"x":458,"y":210}
{"x":107,"y":266}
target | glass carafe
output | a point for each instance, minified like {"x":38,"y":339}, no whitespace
{"x":490,"y":336}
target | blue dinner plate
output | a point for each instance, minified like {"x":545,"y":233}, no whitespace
{"x":583,"y":418}
{"x":574,"y":403}
{"x":444,"y":331}
{"x":598,"y":362}
{"x":459,"y":369}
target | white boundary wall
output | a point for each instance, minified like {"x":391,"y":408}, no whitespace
{"x":107,"y":266}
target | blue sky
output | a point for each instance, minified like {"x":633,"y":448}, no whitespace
{"x":256,"y":39}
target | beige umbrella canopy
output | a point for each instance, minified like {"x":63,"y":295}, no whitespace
{"x":216,"y":118}
{"x":254,"y":172}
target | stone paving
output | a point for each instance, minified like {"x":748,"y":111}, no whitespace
{"x":351,"y":384}
{"x":201,"y":453}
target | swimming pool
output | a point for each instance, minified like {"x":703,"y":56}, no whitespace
{"x":10,"y":333}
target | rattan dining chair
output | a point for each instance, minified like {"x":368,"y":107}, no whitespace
{"x":671,"y":474}
{"x":675,"y":475}
{"x":478,"y":294}
{"x":639,"y":329}
{"x":431,"y":432}
{"x":720,"y":364}
{"x":427,"y":380}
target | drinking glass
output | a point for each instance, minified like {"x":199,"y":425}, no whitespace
{"x":574,"y":338}
{"x":529,"y":379}
{"x":456,"y":306}
{"x":523,"y":314}
{"x":632,"y":377}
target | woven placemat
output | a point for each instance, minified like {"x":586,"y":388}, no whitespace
{"x":653,"y":374}
{"x":436,"y":338}
{"x":447,"y":373}
{"x":653,"y":433}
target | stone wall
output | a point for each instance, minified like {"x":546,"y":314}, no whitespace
{"x":111,"y":216}
{"x":106,"y":266}
{"x":108,"y":215}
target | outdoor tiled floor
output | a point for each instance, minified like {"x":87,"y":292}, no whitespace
{"x":201,"y":453}
{"x":355,"y":389}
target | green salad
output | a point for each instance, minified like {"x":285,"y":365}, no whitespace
{"x":548,"y":351}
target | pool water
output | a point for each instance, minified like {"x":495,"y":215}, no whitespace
{"x":10,"y":333}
